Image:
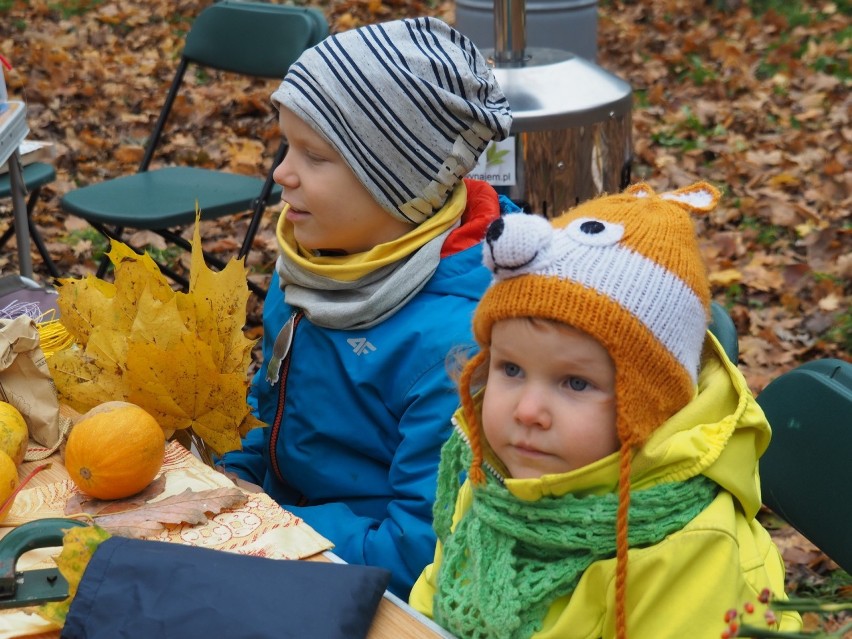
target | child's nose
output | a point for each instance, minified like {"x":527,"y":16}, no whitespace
{"x":284,"y":175}
{"x":532,"y":409}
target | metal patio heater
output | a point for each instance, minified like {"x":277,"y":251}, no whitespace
{"x":572,"y":119}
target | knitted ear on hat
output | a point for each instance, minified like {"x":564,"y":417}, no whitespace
{"x":409,"y":104}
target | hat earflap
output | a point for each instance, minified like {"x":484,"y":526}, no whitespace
{"x":475,"y":474}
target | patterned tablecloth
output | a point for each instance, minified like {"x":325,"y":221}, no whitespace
{"x":259,"y":527}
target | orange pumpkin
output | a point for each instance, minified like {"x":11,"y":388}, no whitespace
{"x":114,"y":451}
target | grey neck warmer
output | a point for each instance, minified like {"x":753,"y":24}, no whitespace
{"x":364,"y":302}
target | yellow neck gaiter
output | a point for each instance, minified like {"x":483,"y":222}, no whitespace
{"x":348,"y":268}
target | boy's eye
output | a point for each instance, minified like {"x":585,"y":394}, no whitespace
{"x":577,"y":384}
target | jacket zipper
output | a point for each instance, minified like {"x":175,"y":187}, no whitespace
{"x":295,"y":318}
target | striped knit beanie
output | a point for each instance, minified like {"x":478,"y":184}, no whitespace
{"x":409,"y":104}
{"x":627,"y":270}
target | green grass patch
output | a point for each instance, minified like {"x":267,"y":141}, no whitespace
{"x":765,"y":234}
{"x":841,"y":331}
{"x":733,"y":296}
{"x":640,"y":99}
{"x":70,"y":8}
{"x":674,"y":140}
{"x":689,"y":134}
{"x":100,"y":244}
{"x":699,"y":73}
{"x":693,"y":69}
{"x":202,"y":75}
{"x":798,"y":13}
{"x":834,"y":66}
{"x":169,"y":256}
{"x":827,"y":590}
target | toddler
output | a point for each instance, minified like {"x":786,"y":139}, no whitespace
{"x":605,"y":397}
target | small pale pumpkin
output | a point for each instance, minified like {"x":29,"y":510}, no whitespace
{"x":14,"y":434}
{"x":114,"y":451}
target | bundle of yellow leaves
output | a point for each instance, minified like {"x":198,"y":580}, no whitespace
{"x":182,"y":357}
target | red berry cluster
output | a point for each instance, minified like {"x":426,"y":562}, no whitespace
{"x":734,"y":619}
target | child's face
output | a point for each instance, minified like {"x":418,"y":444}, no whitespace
{"x":329,"y":207}
{"x":549,"y":404}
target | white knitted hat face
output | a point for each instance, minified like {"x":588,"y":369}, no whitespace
{"x":409,"y":104}
{"x":588,"y":251}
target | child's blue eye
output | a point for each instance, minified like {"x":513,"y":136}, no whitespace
{"x":578,"y":384}
{"x":511,"y":370}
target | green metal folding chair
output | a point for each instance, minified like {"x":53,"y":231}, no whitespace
{"x":806,"y":473}
{"x":255,"y":39}
{"x":723,"y":327}
{"x":36,"y":175}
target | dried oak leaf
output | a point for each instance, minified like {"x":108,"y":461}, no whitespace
{"x":190,"y":506}
{"x":80,"y":502}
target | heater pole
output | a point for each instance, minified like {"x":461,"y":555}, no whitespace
{"x":510,"y":37}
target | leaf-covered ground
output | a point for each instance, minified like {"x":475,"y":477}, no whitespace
{"x":752,"y":96}
{"x":755,"y":102}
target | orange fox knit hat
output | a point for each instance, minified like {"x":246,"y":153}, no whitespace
{"x":627,"y":270}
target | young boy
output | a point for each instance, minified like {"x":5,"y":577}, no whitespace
{"x":378,"y":276}
{"x":592,"y":337}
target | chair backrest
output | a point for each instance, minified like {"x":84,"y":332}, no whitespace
{"x":254,"y":38}
{"x":806,"y":472}
{"x":723,"y":327}
{"x":258,"y":39}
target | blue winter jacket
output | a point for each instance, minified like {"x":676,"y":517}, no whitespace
{"x":355,"y":450}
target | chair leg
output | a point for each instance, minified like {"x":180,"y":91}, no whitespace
{"x":35,"y":235}
{"x":31,"y":202}
{"x":261,"y":203}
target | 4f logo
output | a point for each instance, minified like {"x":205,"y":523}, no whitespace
{"x":360,"y":345}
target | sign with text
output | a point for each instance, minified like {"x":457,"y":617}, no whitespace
{"x":496,"y":165}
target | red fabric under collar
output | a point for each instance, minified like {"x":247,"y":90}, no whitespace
{"x":483,"y":207}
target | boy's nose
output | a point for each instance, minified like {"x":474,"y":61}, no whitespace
{"x":531,"y":409}
{"x":284,"y":175}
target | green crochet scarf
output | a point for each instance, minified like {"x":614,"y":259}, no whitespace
{"x":508,"y":560}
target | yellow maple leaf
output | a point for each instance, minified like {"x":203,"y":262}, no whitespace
{"x":188,"y":395}
{"x":183,"y":357}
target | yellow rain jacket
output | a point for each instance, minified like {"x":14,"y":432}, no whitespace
{"x":682,"y":586}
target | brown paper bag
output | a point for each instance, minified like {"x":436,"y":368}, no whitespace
{"x":25,"y":382}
